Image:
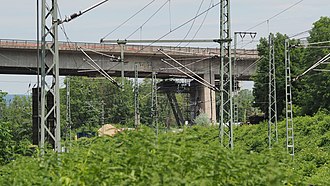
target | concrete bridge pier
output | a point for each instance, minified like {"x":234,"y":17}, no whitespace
{"x":202,"y":99}
{"x":208,"y":98}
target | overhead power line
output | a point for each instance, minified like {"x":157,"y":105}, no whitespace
{"x":201,"y":25}
{"x":99,"y":69}
{"x":312,"y":45}
{"x":75,"y":15}
{"x":161,"y":7}
{"x":321,"y":61}
{"x":318,"y":43}
{"x":129,"y":19}
{"x":175,"y":29}
{"x":274,"y":16}
{"x":180,"y":26}
{"x":193,"y":23}
{"x":200,"y":79}
{"x":300,"y":33}
{"x":321,"y":70}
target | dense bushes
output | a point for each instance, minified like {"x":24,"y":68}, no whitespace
{"x":138,"y":157}
{"x":312,"y":147}
{"x":192,"y":157}
{"x":6,"y":142}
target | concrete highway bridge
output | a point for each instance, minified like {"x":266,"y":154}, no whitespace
{"x":20,"y":57}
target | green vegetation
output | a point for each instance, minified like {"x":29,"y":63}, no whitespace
{"x":202,"y":119}
{"x":245,"y":106}
{"x":192,"y":157}
{"x":15,"y":127}
{"x":311,"y":92}
{"x":87,"y":95}
{"x":261,"y":80}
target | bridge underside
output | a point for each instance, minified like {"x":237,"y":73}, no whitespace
{"x":75,"y":63}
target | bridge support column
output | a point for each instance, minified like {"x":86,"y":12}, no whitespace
{"x":202,"y":99}
{"x":208,"y":103}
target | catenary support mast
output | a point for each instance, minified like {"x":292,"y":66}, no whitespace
{"x":288,"y":101}
{"x":272,"y":107}
{"x":136,"y":97}
{"x":68,"y":108}
{"x":236,"y":88}
{"x":226,"y":84}
{"x":236,"y":74}
{"x":50,"y":114}
{"x":154,"y":102}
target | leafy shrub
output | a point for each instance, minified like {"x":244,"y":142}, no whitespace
{"x":6,"y":142}
{"x":202,"y":119}
{"x":191,"y":157}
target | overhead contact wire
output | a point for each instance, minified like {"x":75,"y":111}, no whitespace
{"x":274,"y":16}
{"x":193,"y":23}
{"x":129,"y":19}
{"x":99,"y":69}
{"x":160,"y":8}
{"x":200,"y":26}
{"x":178,"y":27}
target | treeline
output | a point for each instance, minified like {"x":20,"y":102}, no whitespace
{"x":96,"y":101}
{"x":311,"y":91}
{"x":15,"y":127}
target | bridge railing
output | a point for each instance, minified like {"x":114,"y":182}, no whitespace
{"x":130,"y":49}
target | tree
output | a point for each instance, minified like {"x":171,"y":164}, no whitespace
{"x":260,"y":90}
{"x":2,"y":103}
{"x":313,"y":90}
{"x":15,"y":126}
{"x":84,"y":94}
{"x":6,"y":142}
{"x":245,"y":100}
{"x":18,"y":113}
{"x":89,"y":96}
{"x":119,"y":103}
{"x":6,"y":137}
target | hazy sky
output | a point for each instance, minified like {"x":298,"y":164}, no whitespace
{"x":18,"y":21}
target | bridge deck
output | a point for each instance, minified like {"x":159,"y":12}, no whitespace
{"x":129,"y":49}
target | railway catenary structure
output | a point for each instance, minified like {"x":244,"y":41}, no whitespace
{"x":20,"y":57}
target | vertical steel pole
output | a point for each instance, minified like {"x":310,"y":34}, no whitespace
{"x":154,"y":109}
{"x":272,"y":107}
{"x":38,"y":67}
{"x":102,"y":113}
{"x":288,"y":101}
{"x":122,"y":64}
{"x":235,"y":99}
{"x":211,"y":76}
{"x":43,"y":76}
{"x":136,"y":97}
{"x":226,"y":102}
{"x":68,"y":106}
{"x":49,"y":29}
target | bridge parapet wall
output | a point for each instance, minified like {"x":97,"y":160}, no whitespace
{"x":129,"y":49}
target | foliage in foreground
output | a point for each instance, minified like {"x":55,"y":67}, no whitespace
{"x":311,"y":163}
{"x":192,"y":157}
{"x":138,"y":158}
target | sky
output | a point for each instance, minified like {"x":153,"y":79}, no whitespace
{"x":18,"y":21}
